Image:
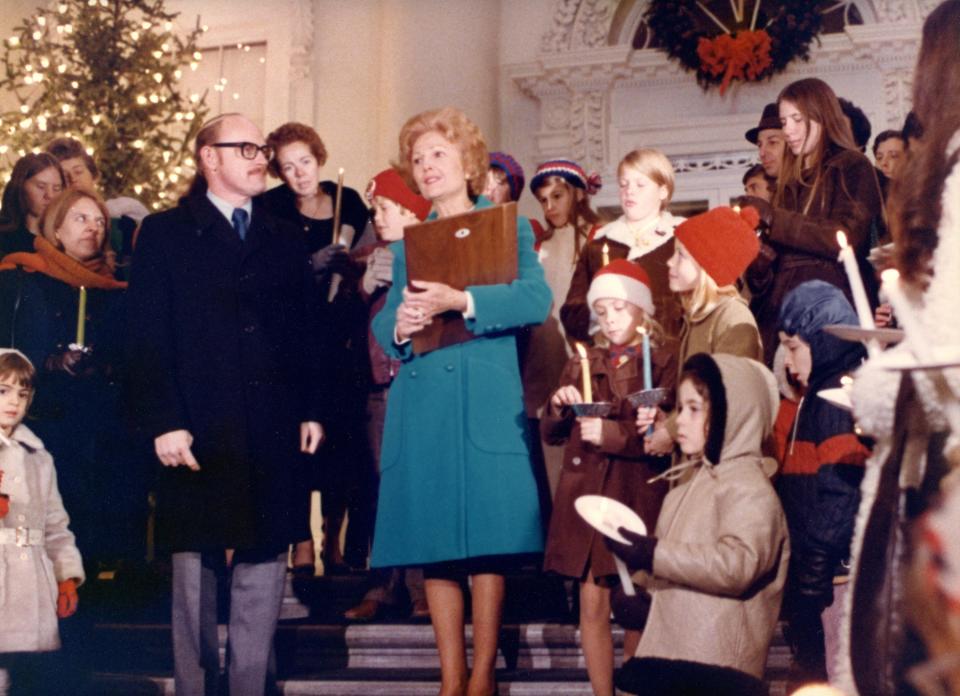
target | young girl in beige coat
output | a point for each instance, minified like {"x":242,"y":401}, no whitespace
{"x":717,"y":562}
{"x":40,"y":566}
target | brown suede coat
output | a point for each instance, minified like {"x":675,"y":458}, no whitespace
{"x":803,"y":237}
{"x":575,"y":314}
{"x":618,"y":469}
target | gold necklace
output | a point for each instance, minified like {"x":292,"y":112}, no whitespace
{"x":640,"y":235}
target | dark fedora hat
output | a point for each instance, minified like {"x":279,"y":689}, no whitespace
{"x":769,"y":120}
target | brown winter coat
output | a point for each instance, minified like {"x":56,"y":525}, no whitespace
{"x":721,"y":558}
{"x":728,"y":328}
{"x":575,"y":314}
{"x":803,"y":236}
{"x":29,"y":574}
{"x":619,"y":469}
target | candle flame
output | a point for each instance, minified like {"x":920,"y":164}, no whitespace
{"x":642,"y":330}
{"x":582,"y":350}
{"x":736,"y":209}
{"x":891,"y":275}
{"x":841,"y":239}
{"x":605,"y":249}
{"x":340,"y":172}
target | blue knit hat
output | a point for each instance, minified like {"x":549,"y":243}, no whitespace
{"x":807,"y":309}
{"x":513,"y":170}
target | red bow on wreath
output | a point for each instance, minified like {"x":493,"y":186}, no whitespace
{"x":745,"y":55}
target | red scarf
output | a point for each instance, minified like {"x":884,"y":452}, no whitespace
{"x":95,"y":273}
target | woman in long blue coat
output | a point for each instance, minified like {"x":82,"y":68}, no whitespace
{"x":457,"y":491}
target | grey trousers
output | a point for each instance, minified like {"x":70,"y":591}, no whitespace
{"x":256,"y":594}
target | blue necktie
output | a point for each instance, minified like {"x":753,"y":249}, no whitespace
{"x":239,"y":219}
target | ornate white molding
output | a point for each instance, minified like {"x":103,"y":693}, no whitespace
{"x":579,"y":24}
{"x":301,"y":39}
{"x":575,"y":85}
{"x":715,"y":162}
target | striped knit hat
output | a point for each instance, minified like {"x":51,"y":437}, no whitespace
{"x":568,"y":170}
{"x":513,"y":170}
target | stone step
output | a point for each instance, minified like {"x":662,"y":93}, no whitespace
{"x":304,"y":648}
{"x":369,"y":682}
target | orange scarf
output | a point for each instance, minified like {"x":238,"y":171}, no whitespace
{"x":54,"y":263}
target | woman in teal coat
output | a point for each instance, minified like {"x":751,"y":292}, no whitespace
{"x":457,"y":491}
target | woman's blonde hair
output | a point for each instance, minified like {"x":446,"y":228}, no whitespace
{"x":455,"y":126}
{"x":701,"y":300}
{"x":57,"y":211}
{"x":654,"y":165}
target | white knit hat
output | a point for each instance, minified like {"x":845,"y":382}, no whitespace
{"x":622,"y":280}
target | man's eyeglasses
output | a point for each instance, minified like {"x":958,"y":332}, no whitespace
{"x":248,"y":150}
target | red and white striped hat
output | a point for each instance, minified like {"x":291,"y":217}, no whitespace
{"x":622,"y":280}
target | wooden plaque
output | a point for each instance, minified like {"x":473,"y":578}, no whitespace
{"x":474,"y":248}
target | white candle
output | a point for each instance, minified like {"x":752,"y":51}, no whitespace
{"x":606,"y":254}
{"x":860,"y":301}
{"x":916,"y":339}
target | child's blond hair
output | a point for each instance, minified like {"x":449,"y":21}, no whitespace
{"x":705,"y":295}
{"x":654,"y":165}
{"x":647,"y":323}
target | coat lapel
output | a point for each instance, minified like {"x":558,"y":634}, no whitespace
{"x":261,"y":228}
{"x":210,"y":221}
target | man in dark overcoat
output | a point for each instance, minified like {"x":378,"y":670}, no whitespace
{"x":220,"y":321}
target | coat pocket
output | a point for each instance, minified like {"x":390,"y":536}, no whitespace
{"x":496,"y":419}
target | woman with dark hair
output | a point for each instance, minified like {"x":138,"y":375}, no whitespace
{"x":826,"y":184}
{"x":77,"y":410}
{"x":35,"y":181}
{"x":344,"y":468}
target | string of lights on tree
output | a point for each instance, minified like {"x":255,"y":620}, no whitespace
{"x":107,"y":73}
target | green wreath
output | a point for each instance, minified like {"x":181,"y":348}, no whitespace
{"x":748,"y":40}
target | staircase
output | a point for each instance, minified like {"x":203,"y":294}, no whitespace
{"x":318,"y":654}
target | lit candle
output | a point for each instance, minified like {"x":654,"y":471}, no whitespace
{"x":585,"y":371}
{"x":860,"y":301}
{"x":82,"y":317}
{"x":647,"y":365}
{"x":893,"y":290}
{"x":606,"y":254}
{"x":336,"y":207}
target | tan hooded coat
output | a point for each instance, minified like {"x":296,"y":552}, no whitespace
{"x":721,"y":558}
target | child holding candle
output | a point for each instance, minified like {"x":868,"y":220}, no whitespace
{"x":604,"y":456}
{"x":39,"y":561}
{"x":822,"y":464}
{"x":717,"y":560}
{"x":643,"y":234}
{"x":563,"y":189}
{"x":710,"y":252}
{"x":395,"y":207}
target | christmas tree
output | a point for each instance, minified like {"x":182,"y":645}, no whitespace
{"x":105,"y":72}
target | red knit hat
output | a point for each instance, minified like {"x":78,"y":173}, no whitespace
{"x":723,"y":241}
{"x":622,"y":280}
{"x":390,"y":184}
